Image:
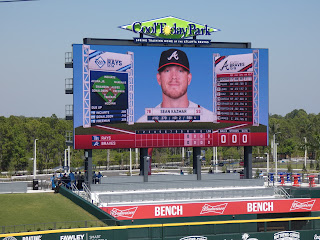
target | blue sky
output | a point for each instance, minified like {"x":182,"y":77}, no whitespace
{"x":35,"y":36}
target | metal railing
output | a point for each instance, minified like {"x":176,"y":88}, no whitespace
{"x":89,"y":197}
{"x":281,"y":192}
{"x":87,"y":192}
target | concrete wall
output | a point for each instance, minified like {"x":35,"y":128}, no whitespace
{"x":13,"y":187}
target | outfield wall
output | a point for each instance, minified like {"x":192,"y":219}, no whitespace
{"x":89,"y":207}
{"x":217,"y":230}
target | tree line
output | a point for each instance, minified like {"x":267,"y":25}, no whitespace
{"x":295,"y":131}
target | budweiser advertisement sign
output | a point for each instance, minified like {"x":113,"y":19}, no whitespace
{"x":212,"y":208}
{"x":302,"y":205}
{"x":207,"y":208}
{"x":123,"y":213}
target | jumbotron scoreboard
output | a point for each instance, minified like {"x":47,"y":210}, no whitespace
{"x":117,"y":98}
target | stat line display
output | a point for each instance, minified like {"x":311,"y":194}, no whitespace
{"x":118,"y":98}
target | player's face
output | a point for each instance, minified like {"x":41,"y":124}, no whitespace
{"x":174,"y":81}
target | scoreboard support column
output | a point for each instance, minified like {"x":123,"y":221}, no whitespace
{"x":146,"y":161}
{"x":197,"y":162}
{"x":143,"y":154}
{"x":248,"y":162}
{"x":88,"y":167}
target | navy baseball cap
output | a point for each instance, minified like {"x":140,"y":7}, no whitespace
{"x":174,"y":57}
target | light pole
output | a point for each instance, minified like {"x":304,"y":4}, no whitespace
{"x":275,"y":157}
{"x":130,"y":163}
{"x":267,"y":163}
{"x":69,"y":160}
{"x":305,"y":152}
{"x":215,"y":157}
{"x":35,"y":159}
{"x":65,"y":161}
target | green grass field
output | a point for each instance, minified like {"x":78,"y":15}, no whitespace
{"x":42,"y":211}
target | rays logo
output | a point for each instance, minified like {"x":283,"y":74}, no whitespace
{"x":100,"y":62}
{"x":113,"y":62}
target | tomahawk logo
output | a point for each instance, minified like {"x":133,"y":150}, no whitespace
{"x":296,"y":205}
{"x":214,"y":209}
{"x":174,"y":55}
{"x":127,"y":213}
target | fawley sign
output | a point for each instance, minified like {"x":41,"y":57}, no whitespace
{"x":170,"y":30}
{"x":213,"y":208}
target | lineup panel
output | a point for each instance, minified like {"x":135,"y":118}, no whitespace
{"x":235,"y":97}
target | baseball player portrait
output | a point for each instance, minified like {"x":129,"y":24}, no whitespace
{"x":174,"y":78}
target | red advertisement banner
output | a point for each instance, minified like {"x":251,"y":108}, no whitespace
{"x":213,"y":208}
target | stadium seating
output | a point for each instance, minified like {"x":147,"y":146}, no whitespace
{"x":177,"y":188}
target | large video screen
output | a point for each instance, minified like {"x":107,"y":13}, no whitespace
{"x":151,"y":96}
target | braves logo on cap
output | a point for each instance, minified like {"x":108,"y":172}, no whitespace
{"x":174,"y":55}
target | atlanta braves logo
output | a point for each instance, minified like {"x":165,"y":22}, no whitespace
{"x":174,"y":55}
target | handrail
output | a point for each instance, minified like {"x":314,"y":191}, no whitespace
{"x":74,"y":188}
{"x":87,"y":192}
{"x":281,"y":192}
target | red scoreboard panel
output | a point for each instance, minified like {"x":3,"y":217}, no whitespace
{"x":173,"y":138}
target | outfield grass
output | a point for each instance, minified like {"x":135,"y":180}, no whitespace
{"x":35,"y":209}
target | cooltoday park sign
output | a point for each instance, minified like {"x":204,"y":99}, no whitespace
{"x":170,"y":30}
